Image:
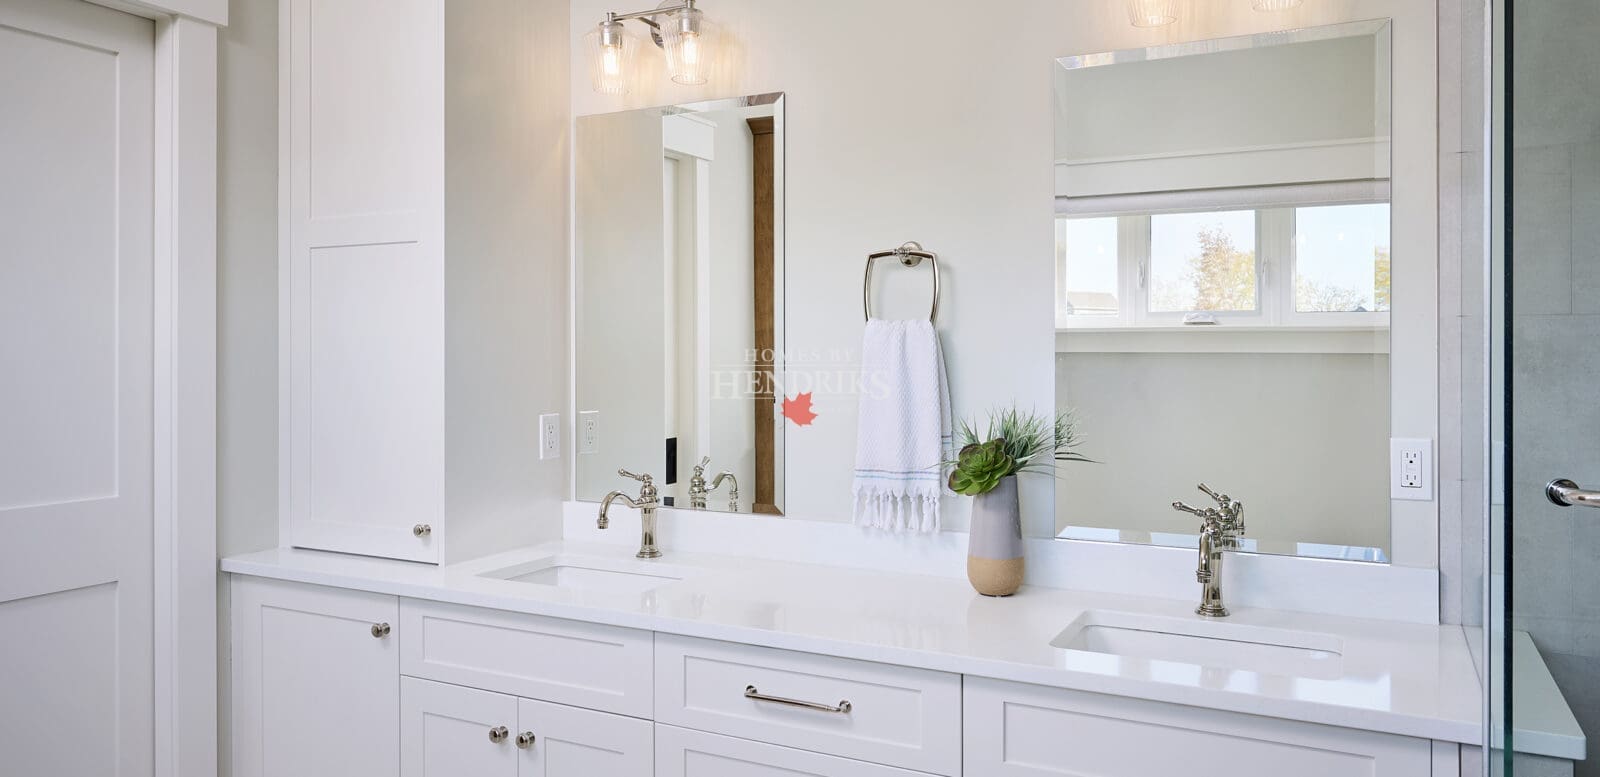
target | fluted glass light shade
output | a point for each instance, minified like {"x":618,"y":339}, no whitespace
{"x":1152,"y":13}
{"x":1274,"y":5}
{"x":691,"y":45}
{"x":611,"y":53}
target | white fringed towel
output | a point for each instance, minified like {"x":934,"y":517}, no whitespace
{"x":903,"y":427}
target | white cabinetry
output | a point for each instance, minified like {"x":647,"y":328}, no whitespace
{"x":569,"y":662}
{"x":1015,"y":730}
{"x":414,"y":189}
{"x":337,"y":682}
{"x":684,"y":753}
{"x":892,"y":715}
{"x":315,"y":686}
{"x":572,"y":742}
{"x":448,"y":730}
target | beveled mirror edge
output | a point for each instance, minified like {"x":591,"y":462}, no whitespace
{"x":1232,"y":43}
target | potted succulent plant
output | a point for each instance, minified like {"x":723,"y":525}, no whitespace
{"x":986,"y":469}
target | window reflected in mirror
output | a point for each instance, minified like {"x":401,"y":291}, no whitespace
{"x":1223,"y":288}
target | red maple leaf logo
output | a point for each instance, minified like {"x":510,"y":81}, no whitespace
{"x":798,"y":409}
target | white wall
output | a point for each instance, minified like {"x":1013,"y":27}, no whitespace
{"x":1158,"y":423}
{"x":619,"y":360}
{"x":942,"y":132}
{"x":247,"y":306}
{"x":506,"y":157}
{"x":247,"y":279}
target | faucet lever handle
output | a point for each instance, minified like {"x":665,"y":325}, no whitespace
{"x":704,"y":462}
{"x":1183,"y":508}
{"x":1221,"y":499}
{"x":645,"y":478}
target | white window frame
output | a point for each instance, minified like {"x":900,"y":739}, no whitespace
{"x":1276,"y":271}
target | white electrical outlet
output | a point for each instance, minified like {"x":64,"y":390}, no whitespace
{"x":550,"y":436}
{"x":1411,"y":465}
{"x":588,"y":431}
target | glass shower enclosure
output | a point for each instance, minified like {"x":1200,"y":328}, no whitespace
{"x":1540,"y":324}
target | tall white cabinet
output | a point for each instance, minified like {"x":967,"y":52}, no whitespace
{"x":422,"y":220}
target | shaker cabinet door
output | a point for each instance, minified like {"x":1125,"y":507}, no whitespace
{"x":449,"y":731}
{"x":560,"y":741}
{"x":314,"y":681}
{"x":362,"y":276}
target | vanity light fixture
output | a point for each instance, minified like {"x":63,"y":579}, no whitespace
{"x":678,"y":28}
{"x":1274,"y":5}
{"x":1152,"y":13}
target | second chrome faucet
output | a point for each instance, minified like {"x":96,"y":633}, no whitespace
{"x":1220,"y":530}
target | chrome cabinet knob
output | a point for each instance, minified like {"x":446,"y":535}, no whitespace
{"x":380,"y":630}
{"x":525,"y":740}
{"x":498,"y":734}
{"x":422,"y":530}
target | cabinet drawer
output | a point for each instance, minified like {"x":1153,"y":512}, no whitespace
{"x":567,"y":662}
{"x":1016,"y":730}
{"x":684,"y":753}
{"x":897,"y":716}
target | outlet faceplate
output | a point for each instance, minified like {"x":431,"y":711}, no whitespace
{"x":1411,"y":469}
{"x":588,"y":431}
{"x":550,"y":436}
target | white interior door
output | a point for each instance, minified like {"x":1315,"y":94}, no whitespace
{"x":76,"y":292}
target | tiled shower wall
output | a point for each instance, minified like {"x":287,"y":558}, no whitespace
{"x":1555,"y":321}
{"x":1463,"y":346}
{"x":1555,"y":340}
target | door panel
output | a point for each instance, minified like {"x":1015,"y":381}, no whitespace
{"x":364,"y":276}
{"x":446,"y":731}
{"x":314,"y":683}
{"x":76,"y":156}
{"x":572,"y":742}
{"x":681,"y":752}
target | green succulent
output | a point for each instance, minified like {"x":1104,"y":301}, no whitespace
{"x":1013,"y":442}
{"x":980,"y":467}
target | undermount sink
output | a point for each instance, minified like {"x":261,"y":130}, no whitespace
{"x":591,"y":574}
{"x":1217,"y":645}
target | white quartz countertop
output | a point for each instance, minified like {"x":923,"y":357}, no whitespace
{"x":1407,"y":679}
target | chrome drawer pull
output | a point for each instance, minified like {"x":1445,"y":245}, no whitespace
{"x":842,"y":708}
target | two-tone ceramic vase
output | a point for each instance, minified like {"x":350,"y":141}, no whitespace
{"x":994,"y":546}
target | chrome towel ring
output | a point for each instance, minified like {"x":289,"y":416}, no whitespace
{"x":910,"y":254}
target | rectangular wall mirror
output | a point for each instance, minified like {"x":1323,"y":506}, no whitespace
{"x":1223,"y":299}
{"x":679,"y":283}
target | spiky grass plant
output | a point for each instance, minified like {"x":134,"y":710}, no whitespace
{"x":1011,"y":442}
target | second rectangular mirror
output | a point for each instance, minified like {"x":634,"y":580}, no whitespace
{"x":1223,"y":298}
{"x":679,"y":267}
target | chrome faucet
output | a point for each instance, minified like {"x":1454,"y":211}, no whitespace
{"x":697,"y":485}
{"x":646,"y":504}
{"x":1220,"y":530}
{"x":698,"y":491}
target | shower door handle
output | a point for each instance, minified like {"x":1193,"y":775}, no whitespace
{"x":1567,"y":494}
